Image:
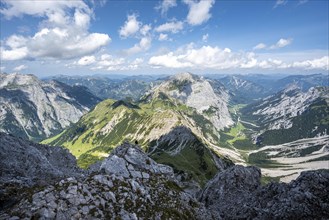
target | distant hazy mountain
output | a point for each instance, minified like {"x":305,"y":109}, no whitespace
{"x":302,"y":81}
{"x":242,"y":90}
{"x":33,"y":109}
{"x":114,"y":88}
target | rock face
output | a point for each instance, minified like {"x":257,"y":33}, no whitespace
{"x":34,"y":109}
{"x":26,"y":164}
{"x":206,"y":97}
{"x":127,"y":185}
{"x":236,"y":193}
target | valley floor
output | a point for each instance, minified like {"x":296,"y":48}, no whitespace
{"x":295,"y":157}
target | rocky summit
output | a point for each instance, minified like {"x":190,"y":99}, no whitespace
{"x":130,"y":185}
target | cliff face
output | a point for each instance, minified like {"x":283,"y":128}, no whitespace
{"x":33,"y":109}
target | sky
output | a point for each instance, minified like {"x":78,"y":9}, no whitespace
{"x":86,"y":37}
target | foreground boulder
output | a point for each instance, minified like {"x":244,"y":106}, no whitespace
{"x":127,"y":185}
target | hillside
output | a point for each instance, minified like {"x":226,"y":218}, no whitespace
{"x":150,"y":124}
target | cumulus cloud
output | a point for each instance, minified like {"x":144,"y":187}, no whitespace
{"x":173,"y":27}
{"x":20,"y":68}
{"x":109,"y":63}
{"x":163,"y":37}
{"x":165,"y":5}
{"x":143,"y":45}
{"x":86,"y":60}
{"x":205,"y":37}
{"x":259,"y":46}
{"x":321,"y":63}
{"x":280,"y":3}
{"x":63,"y":33}
{"x":40,"y":8}
{"x":281,"y":43}
{"x":301,"y":2}
{"x":145,"y":29}
{"x":130,"y":27}
{"x":199,"y":11}
{"x":208,"y":57}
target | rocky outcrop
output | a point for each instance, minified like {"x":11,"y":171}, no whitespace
{"x":236,"y":193}
{"x":127,"y":185}
{"x":24,"y":164}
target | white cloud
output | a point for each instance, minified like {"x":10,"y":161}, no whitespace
{"x":64,"y":33}
{"x":145,"y":29}
{"x":163,"y":37}
{"x":173,"y":27}
{"x":86,"y":60}
{"x":281,"y":43}
{"x":137,"y":61}
{"x":259,"y":46}
{"x":40,"y":8}
{"x":169,"y":60}
{"x":13,"y":54}
{"x":130,"y":27}
{"x":20,"y":68}
{"x":208,"y":57}
{"x":205,"y":37}
{"x":81,"y":19}
{"x":143,"y":45}
{"x":2,"y":68}
{"x":108,"y":62}
{"x":279,"y":3}
{"x":165,"y":5}
{"x":301,"y":2}
{"x":198,"y":11}
{"x":321,"y":63}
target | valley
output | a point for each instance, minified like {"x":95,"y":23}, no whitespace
{"x":193,"y":125}
{"x":247,"y":135}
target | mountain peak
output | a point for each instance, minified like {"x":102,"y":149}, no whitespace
{"x":185,"y":76}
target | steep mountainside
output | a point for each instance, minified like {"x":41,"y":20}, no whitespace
{"x":154,"y":124}
{"x":35,"y":110}
{"x":291,"y":114}
{"x":208,"y":98}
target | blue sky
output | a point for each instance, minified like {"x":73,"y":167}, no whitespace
{"x":154,"y":37}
